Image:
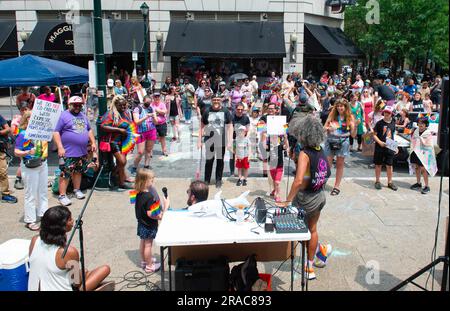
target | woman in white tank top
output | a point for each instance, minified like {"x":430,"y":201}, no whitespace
{"x":50,"y":272}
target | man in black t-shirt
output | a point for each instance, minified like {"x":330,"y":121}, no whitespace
{"x":217,"y":129}
{"x":384,"y":129}
{"x":239,"y":118}
{"x":384,"y":92}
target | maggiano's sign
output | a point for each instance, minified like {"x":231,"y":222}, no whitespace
{"x":59,"y":38}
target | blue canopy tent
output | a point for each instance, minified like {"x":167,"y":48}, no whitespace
{"x":31,"y":70}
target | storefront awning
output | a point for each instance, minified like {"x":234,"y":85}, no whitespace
{"x":8,"y":37}
{"x":51,"y":36}
{"x":323,"y":41}
{"x":225,"y":39}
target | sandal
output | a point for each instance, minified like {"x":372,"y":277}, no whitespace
{"x":144,"y":264}
{"x":335,"y":191}
{"x":153,"y":268}
{"x":33,"y":226}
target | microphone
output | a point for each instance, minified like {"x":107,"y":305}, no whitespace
{"x":164,"y":190}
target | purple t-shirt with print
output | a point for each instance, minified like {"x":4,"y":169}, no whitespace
{"x":74,"y":131}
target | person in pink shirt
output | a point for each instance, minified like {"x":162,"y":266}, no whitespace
{"x":47,"y":94}
{"x":161,"y":127}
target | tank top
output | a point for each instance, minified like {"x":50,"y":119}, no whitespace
{"x":44,"y":273}
{"x":173,"y":107}
{"x":318,"y":168}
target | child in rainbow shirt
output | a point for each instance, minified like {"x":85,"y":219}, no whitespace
{"x":149,"y":210}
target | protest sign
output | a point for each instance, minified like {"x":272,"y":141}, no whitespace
{"x":276,"y":125}
{"x":43,"y":120}
{"x":391,"y":144}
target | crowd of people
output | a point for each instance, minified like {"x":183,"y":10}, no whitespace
{"x":324,"y":120}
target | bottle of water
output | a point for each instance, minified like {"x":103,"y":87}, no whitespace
{"x":240,"y":216}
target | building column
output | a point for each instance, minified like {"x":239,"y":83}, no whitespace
{"x":25,"y":22}
{"x":293,"y":23}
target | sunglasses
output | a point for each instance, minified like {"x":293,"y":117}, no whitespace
{"x":239,"y":109}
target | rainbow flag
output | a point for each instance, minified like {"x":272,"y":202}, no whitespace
{"x":155,"y":209}
{"x":133,"y":194}
{"x":286,"y":128}
{"x":261,"y":127}
{"x":16,"y":131}
{"x":131,"y":139}
{"x":26,"y":144}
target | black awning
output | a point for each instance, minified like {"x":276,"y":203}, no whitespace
{"x":50,"y":36}
{"x":8,"y":37}
{"x":225,"y":39}
{"x":323,"y":41}
{"x":125,"y":34}
{"x":57,"y":36}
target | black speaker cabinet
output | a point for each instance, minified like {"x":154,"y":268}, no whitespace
{"x":202,"y":275}
{"x":443,"y":114}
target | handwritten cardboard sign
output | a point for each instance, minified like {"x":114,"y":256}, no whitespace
{"x":44,"y":117}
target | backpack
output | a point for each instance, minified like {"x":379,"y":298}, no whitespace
{"x":244,"y":275}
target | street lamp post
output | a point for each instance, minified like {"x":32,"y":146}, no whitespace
{"x":145,"y":11}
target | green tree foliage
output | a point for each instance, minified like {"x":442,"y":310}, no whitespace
{"x":412,"y":30}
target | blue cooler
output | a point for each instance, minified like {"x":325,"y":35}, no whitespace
{"x":14,"y":267}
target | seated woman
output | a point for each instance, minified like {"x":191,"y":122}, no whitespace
{"x":403,"y":122}
{"x":48,"y":270}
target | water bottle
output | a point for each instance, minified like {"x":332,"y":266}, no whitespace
{"x":240,"y":216}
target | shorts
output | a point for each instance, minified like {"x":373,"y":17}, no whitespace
{"x":146,"y":233}
{"x":414,"y":159}
{"x":115,"y":148}
{"x":74,"y":165}
{"x":149,"y":135}
{"x":276,"y":173}
{"x":383,"y":156}
{"x":243,"y":163}
{"x":162,"y":130}
{"x":311,"y":202}
{"x":174,"y":118}
{"x":343,"y":152}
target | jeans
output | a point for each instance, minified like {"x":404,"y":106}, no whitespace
{"x":211,"y":155}
{"x":36,"y":198}
{"x":187,"y":113}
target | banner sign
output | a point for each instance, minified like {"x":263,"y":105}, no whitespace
{"x":43,"y":120}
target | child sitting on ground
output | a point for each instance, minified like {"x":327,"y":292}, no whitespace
{"x":422,"y":155}
{"x":242,"y":152}
{"x":148,"y":211}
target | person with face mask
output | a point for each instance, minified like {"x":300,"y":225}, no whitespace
{"x":72,"y":135}
{"x":145,"y":118}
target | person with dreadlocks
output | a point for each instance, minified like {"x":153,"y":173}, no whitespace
{"x":306,"y":193}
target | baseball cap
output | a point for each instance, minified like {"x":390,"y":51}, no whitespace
{"x":388,"y":109}
{"x":76,"y":99}
{"x":110,"y":82}
{"x":156,"y":94}
{"x":388,"y":80}
{"x":222,"y":83}
{"x":255,"y":108}
{"x":303,"y":98}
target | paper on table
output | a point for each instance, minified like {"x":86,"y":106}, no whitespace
{"x":391,"y":144}
{"x":275,"y":125}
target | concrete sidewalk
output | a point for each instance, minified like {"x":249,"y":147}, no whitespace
{"x":392,"y":232}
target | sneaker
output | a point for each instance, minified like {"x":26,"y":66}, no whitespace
{"x":152,"y":268}
{"x":7,"y":198}
{"x":378,"y":185}
{"x":322,"y":254}
{"x":18,"y":184}
{"x":425,"y":190}
{"x":133,"y":171}
{"x":416,"y":186}
{"x":218,"y":184}
{"x":392,"y":186}
{"x":64,"y":200}
{"x":310,"y":273}
{"x":79,"y":195}
{"x":244,"y":182}
{"x":239,"y":182}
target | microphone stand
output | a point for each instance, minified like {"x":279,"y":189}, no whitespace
{"x":79,"y":225}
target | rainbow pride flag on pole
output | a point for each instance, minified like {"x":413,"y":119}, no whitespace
{"x":133,"y":194}
{"x":261,"y":127}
